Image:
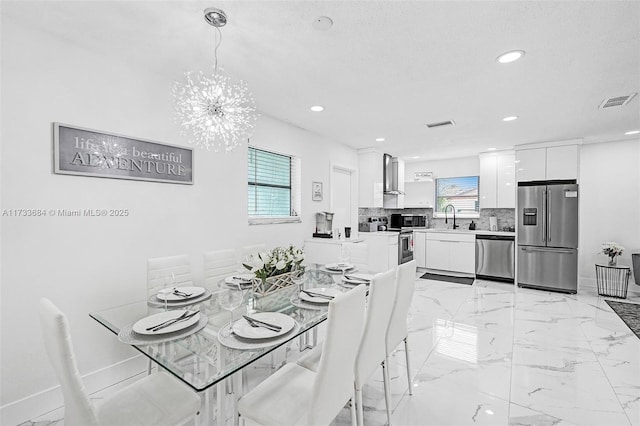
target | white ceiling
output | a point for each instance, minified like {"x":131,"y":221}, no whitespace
{"x":388,"y":67}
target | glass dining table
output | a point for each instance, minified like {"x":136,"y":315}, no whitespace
{"x":202,"y":360}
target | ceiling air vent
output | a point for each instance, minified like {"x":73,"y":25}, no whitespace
{"x":618,"y":101}
{"x":441,"y":124}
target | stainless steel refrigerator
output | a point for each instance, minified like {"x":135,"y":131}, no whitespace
{"x":548,"y":236}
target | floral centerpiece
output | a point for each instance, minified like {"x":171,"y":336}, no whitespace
{"x":612,"y":250}
{"x":275,"y":269}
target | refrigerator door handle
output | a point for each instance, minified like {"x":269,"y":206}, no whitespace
{"x":544,"y":216}
{"x":549,"y":215}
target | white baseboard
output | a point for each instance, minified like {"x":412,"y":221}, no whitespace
{"x":47,"y":400}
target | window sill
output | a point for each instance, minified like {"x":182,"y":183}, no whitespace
{"x":458,"y":215}
{"x":274,"y":220}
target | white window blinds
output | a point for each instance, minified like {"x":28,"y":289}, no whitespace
{"x":272,"y":182}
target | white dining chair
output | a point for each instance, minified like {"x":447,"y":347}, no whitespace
{"x":371,"y":351}
{"x":158,"y":399}
{"x":218,"y":265}
{"x":251,"y":250}
{"x":297,"y":395}
{"x":398,"y":331}
{"x":167,"y":271}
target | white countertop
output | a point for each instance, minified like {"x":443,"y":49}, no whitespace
{"x":334,"y":240}
{"x":464,"y":231}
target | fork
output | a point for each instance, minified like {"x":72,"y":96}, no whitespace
{"x":257,"y":323}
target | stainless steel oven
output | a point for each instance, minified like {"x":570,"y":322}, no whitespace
{"x":405,"y":246}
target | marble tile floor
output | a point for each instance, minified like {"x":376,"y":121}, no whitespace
{"x":495,"y":354}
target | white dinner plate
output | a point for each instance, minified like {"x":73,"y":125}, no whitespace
{"x":244,"y":280}
{"x":339,"y":266}
{"x":242,"y":327}
{"x":141,"y":326}
{"x":191,"y":291}
{"x":320,"y":290}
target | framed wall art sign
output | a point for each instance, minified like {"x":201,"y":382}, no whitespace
{"x":316,"y":191}
{"x":87,"y":152}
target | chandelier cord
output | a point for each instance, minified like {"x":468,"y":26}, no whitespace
{"x":215,"y":49}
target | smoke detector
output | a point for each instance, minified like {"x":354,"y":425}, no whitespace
{"x":322,"y":23}
{"x":617,"y":101}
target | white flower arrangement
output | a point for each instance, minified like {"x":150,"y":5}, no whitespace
{"x":612,"y":249}
{"x":278,"y":261}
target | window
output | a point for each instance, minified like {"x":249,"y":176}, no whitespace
{"x":273,"y":182}
{"x":461,"y":192}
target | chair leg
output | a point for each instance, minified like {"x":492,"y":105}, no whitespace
{"x":387,"y":390}
{"x":149,"y":366}
{"x":359,"y":407}
{"x":354,"y":419}
{"x":406,"y":354}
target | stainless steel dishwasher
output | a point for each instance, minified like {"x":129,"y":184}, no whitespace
{"x":494,"y":257}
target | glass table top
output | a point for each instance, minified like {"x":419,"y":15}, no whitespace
{"x":200,"y":360}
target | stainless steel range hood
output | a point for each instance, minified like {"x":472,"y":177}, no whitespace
{"x":393,"y":175}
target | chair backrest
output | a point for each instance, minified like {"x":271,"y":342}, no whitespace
{"x":159,"y":272}
{"x":218,"y":265}
{"x":78,"y":409}
{"x":372,"y":350}
{"x":247,"y":251}
{"x":358,"y":255}
{"x":333,"y":385}
{"x":397,"y":330}
{"x":318,"y":278}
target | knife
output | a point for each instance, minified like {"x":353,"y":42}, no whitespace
{"x":320,"y":295}
{"x":185,"y":316}
{"x":351,"y":277}
{"x":272,"y":327}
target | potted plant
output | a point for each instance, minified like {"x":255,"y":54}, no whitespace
{"x":612,"y":250}
{"x":275,"y":269}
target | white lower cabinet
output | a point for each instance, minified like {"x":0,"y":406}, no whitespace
{"x":420,"y":248}
{"x":382,"y":250}
{"x":451,"y":252}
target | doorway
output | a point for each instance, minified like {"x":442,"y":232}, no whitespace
{"x":344,"y":199}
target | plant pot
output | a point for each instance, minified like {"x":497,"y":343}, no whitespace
{"x":273,"y":293}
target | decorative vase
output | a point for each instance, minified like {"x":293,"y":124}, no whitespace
{"x":612,"y":261}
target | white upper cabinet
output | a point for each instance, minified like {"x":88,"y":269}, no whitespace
{"x":370,"y":191}
{"x":562,"y":162}
{"x":532,"y":164}
{"x":497,"y":180}
{"x":548,"y":163}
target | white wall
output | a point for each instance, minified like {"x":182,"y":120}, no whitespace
{"x":454,"y":167}
{"x":609,"y":202}
{"x":86,"y":264}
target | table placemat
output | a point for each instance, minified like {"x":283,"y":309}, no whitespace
{"x":157,"y":303}
{"x":130,"y":337}
{"x":230,"y":340}
{"x":299,"y":303}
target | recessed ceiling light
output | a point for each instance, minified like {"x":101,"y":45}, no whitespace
{"x":507,"y":57}
{"x":491,"y":149}
{"x":317,"y":108}
{"x":510,"y":118}
{"x":415,"y":157}
{"x":379,"y":139}
{"x":632,"y":132}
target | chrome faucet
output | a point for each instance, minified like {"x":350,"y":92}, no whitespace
{"x":446,"y":219}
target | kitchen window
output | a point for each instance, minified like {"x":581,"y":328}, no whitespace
{"x":461,"y":192}
{"x":273,"y":187}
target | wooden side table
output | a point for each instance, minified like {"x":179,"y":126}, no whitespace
{"x":613,"y":281}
